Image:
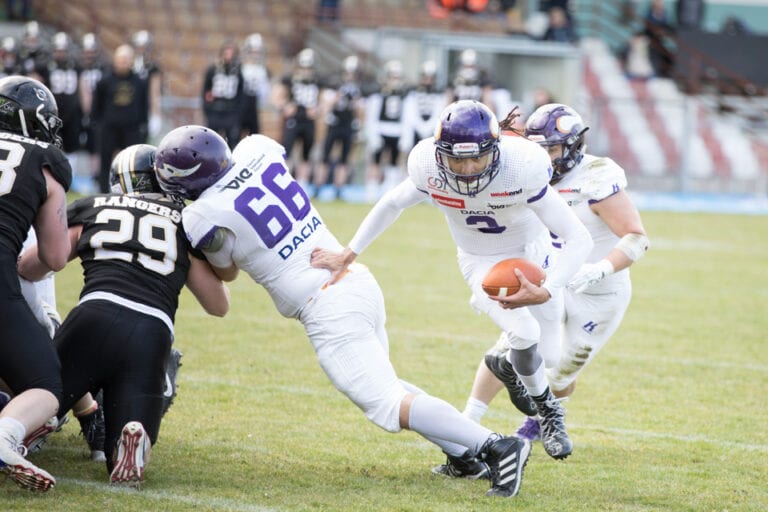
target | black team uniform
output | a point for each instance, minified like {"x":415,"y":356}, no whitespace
{"x":135,"y":259}
{"x":120,"y":108}
{"x":27,"y":358}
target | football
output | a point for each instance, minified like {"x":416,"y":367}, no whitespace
{"x":502,"y":280}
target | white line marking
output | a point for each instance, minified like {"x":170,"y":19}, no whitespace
{"x":159,"y":495}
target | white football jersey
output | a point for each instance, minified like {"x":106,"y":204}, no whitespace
{"x":591,"y":181}
{"x":501,"y":210}
{"x":503,"y":220}
{"x":275,"y":225}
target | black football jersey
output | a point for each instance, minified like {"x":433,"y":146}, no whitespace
{"x":133,"y":246}
{"x":22,"y":184}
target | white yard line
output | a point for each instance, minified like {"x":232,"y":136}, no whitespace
{"x":165,"y":496}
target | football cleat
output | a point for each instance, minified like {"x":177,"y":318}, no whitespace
{"x":132,"y":456}
{"x":36,"y":439}
{"x":506,"y":457}
{"x":171,"y":371}
{"x":465,"y":466}
{"x":552,"y":421}
{"x":21,"y":471}
{"x":92,"y":428}
{"x":530,"y":430}
{"x":518,"y":394}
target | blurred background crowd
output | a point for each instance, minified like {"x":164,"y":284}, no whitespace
{"x":349,"y":86}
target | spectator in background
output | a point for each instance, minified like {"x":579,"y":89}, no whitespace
{"x":120,"y":108}
{"x":565,"y":5}
{"x":33,"y":53}
{"x":560,"y":28}
{"x":223,"y":97}
{"x":9,"y":57}
{"x":343,"y":115}
{"x":386,"y":132}
{"x":513,"y":16}
{"x":92,"y":68}
{"x":148,"y":70}
{"x":423,"y":104}
{"x":690,"y":14}
{"x":298,"y":99}
{"x":470,"y":82}
{"x":256,"y":83}
{"x":658,"y":27}
{"x":637,"y":59}
{"x":64,"y":82}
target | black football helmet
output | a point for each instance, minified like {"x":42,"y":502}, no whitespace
{"x":133,"y":171}
{"x":27,"y":107}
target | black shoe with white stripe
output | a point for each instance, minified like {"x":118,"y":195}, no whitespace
{"x":506,"y":457}
{"x":465,"y":466}
{"x":518,"y":394}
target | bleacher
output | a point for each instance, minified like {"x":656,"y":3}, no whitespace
{"x":728,"y":150}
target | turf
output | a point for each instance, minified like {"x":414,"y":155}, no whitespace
{"x":670,"y":417}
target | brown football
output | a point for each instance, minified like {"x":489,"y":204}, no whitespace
{"x":502,"y":280}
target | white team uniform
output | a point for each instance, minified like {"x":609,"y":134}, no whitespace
{"x":505,"y":220}
{"x":590,"y":317}
{"x":275,"y":229}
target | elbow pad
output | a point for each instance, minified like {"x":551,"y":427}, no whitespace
{"x":633,"y":245}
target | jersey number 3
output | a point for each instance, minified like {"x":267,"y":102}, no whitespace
{"x":13,"y":154}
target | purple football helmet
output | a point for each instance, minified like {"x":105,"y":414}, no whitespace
{"x":467,"y":129}
{"x":190,"y":159}
{"x":133,"y":170}
{"x":27,"y":107}
{"x":553,"y":124}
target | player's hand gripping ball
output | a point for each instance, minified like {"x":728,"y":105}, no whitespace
{"x":501,"y":278}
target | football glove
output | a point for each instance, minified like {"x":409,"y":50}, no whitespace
{"x":590,"y":274}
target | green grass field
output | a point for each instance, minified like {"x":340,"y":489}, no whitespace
{"x":671,"y":416}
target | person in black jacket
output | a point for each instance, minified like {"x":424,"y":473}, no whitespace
{"x":120,"y":108}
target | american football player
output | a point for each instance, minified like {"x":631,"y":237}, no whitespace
{"x":249,"y":213}
{"x":494,"y":192}
{"x":135,"y":259}
{"x":596,"y":298}
{"x":34,"y":178}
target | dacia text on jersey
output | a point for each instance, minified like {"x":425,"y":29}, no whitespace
{"x":299,"y":238}
{"x":139,"y":204}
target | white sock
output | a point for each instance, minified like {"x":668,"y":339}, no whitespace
{"x":537,"y":383}
{"x":13,"y":428}
{"x":475,"y":409}
{"x":444,"y":425}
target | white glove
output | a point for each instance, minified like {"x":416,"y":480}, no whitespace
{"x":590,"y":274}
{"x":155,"y":124}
